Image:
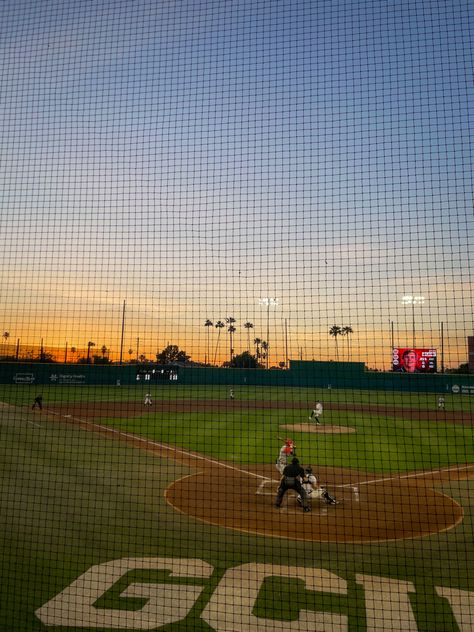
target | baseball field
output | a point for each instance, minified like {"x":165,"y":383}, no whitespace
{"x":115,"y":515}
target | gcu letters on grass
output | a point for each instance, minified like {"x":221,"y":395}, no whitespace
{"x":387,"y":601}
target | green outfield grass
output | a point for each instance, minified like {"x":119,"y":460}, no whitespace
{"x":24,"y":394}
{"x":71,"y":499}
{"x":380,"y":443}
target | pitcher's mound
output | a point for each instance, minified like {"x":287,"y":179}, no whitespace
{"x":322,"y":429}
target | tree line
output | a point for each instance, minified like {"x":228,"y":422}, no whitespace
{"x":253,"y":357}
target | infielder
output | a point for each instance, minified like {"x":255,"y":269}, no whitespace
{"x":287,"y":450}
{"x":148,"y":401}
{"x":316,"y":413}
{"x":314,"y":490}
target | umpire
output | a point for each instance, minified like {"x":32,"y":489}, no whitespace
{"x":291,"y":479}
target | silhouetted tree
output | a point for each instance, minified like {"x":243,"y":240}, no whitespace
{"x":336,"y":331}
{"x":208,"y":324}
{"x":219,"y":325}
{"x":462,"y":369}
{"x":231,"y":329}
{"x":100,"y":359}
{"x":89,"y":345}
{"x":257,"y":342}
{"x":248,"y":326}
{"x":172,"y":355}
{"x":5,"y":336}
{"x":243,"y":361}
{"x":346,"y":331}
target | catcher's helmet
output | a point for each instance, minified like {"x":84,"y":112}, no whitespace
{"x":308,"y":470}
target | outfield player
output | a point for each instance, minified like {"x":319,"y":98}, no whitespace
{"x":287,"y":450}
{"x":291,"y":479}
{"x":316,"y":413}
{"x":148,"y":401}
{"x":314,"y":490}
{"x":231,"y":393}
{"x":441,"y":402}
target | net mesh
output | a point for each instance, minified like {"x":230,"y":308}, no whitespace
{"x":226,"y":224}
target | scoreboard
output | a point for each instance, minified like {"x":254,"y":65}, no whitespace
{"x":157,"y":374}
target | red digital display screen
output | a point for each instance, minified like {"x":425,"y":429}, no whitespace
{"x":409,"y":360}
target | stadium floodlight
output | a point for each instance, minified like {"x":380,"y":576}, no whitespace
{"x":412,"y":300}
{"x":268,"y":302}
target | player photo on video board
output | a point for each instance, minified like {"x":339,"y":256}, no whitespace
{"x":409,"y":360}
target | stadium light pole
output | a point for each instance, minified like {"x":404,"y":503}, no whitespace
{"x":268,"y":302}
{"x":123,"y":329}
{"x":413,"y":300}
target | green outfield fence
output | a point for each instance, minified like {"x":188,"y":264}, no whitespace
{"x":352,"y":375}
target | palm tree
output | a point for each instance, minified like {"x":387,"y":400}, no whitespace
{"x":336,"y":331}
{"x":230,"y":321}
{"x":345,"y":331}
{"x":103,"y":351}
{"x":73,"y":350}
{"x":264,"y":346}
{"x":219,"y":325}
{"x":257,"y":342}
{"x":208,"y":324}
{"x":5,"y":336}
{"x":231,"y":330}
{"x":248,"y":326}
{"x":89,"y":345}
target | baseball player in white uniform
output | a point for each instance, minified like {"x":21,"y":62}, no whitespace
{"x":314,"y":490}
{"x":287,"y":450}
{"x":316,"y":413}
{"x":148,"y":401}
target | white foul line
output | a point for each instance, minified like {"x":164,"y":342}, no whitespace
{"x":155,"y":444}
{"x":454,"y":468}
{"x":33,"y":423}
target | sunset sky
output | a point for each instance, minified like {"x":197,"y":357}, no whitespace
{"x":191,"y":158}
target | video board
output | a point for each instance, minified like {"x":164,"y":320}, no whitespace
{"x":409,"y":360}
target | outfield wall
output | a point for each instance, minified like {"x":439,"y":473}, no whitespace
{"x":335,"y":375}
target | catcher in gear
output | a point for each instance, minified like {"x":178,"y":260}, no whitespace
{"x":287,"y":450}
{"x":314,"y":490}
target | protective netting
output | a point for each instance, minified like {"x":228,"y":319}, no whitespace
{"x":235,"y":234}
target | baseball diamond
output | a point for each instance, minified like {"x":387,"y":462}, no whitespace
{"x":382,"y":509}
